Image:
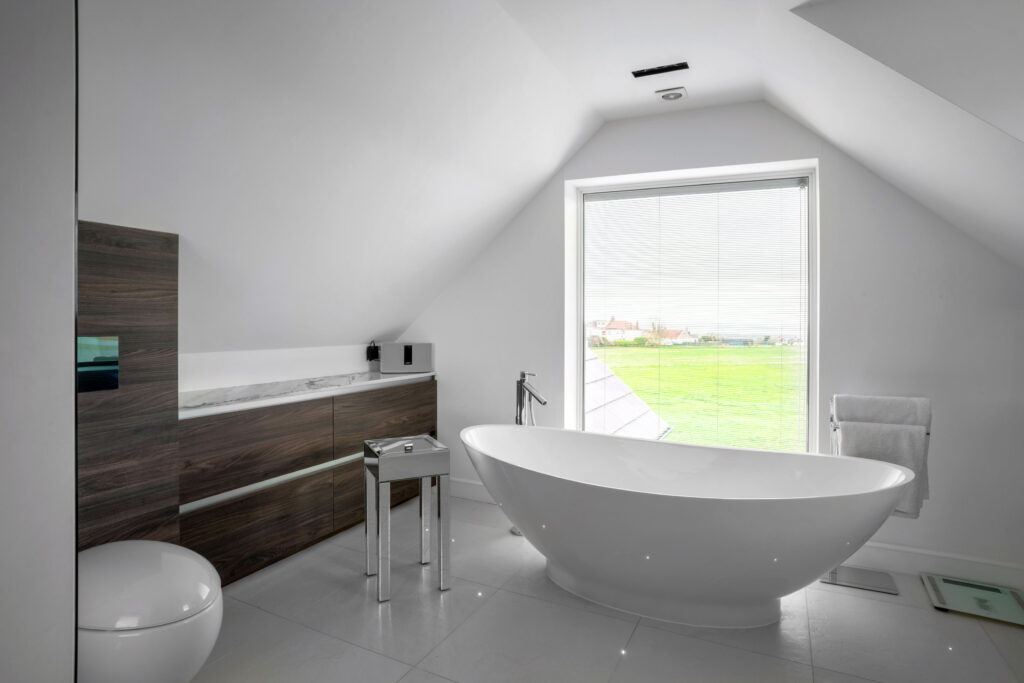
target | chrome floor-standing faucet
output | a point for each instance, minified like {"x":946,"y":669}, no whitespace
{"x":525,"y":394}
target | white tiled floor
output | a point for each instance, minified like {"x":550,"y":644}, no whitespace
{"x":314,"y":617}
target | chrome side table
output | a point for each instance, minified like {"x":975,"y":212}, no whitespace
{"x":412,"y":457}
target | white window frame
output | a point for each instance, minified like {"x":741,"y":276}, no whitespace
{"x":574,"y":192}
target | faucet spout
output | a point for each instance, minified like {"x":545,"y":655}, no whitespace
{"x":535,"y":394}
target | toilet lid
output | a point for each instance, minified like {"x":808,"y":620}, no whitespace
{"x":140,"y":584}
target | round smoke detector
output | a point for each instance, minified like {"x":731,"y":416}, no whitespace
{"x":672,"y":94}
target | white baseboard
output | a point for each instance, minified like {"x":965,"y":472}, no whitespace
{"x":901,"y":558}
{"x":473,"y":490}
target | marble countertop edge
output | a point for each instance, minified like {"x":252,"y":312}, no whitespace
{"x":234,"y":405}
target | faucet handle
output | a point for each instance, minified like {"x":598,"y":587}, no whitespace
{"x":523,"y":374}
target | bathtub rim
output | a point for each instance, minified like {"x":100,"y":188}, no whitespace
{"x":907,"y":472}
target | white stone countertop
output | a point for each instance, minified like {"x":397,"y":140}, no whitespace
{"x":205,"y":402}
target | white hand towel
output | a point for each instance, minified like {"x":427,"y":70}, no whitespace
{"x":894,"y":410}
{"x":899,"y":444}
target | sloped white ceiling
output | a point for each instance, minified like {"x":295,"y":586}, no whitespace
{"x":598,"y":43}
{"x":942,"y":152}
{"x":971,"y":53}
{"x":963,"y":168}
{"x":327,"y":164}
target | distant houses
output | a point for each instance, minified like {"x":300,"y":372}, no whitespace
{"x":614,"y":332}
{"x":607,"y":332}
{"x":610,"y":331}
{"x":676,"y":337}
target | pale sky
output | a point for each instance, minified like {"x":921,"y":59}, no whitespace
{"x":731,"y":263}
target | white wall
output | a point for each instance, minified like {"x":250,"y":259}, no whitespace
{"x":37,"y":400}
{"x":909,"y":305}
{"x":327,"y":164}
{"x":214,"y":369}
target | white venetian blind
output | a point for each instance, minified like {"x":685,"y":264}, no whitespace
{"x":696,"y":310}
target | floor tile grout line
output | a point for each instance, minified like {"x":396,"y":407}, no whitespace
{"x":327,"y":635}
{"x":639,"y":619}
{"x":625,"y":615}
{"x":416,"y":668}
{"x":929,"y":609}
{"x":810,"y":637}
{"x":529,"y":597}
{"x":452,"y":632}
{"x":726,"y":645}
{"x":366,"y":649}
{"x":334,"y":637}
{"x":625,"y":650}
{"x":575,"y":608}
{"x":832,"y":591}
{"x":631,"y":617}
{"x":841,"y":673}
{"x":963,"y":617}
{"x":988,"y":636}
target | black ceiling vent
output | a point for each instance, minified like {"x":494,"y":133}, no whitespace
{"x":655,"y":70}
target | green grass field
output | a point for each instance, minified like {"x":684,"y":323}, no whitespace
{"x":752,"y":396}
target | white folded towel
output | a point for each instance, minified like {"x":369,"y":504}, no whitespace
{"x":893,"y":410}
{"x":899,"y":444}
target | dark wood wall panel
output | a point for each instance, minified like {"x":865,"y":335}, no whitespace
{"x":246,"y":534}
{"x":224,"y":452}
{"x":395,"y":411}
{"x":127,"y":437}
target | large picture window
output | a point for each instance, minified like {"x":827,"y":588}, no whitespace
{"x":695,"y":313}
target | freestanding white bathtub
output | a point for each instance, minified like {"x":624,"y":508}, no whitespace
{"x":689,"y":534}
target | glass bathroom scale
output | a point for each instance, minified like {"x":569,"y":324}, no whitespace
{"x":971,"y":597}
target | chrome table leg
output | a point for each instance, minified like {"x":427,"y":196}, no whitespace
{"x":370,"y":500}
{"x":384,"y":542}
{"x":425,"y":509}
{"x":444,"y":530}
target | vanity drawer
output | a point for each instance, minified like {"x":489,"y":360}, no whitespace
{"x":224,"y":452}
{"x":383,"y":413}
{"x":243,"y":535}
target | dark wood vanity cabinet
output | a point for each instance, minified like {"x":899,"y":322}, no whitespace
{"x":221,"y":453}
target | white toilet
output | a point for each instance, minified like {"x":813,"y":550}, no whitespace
{"x":147,"y":611}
